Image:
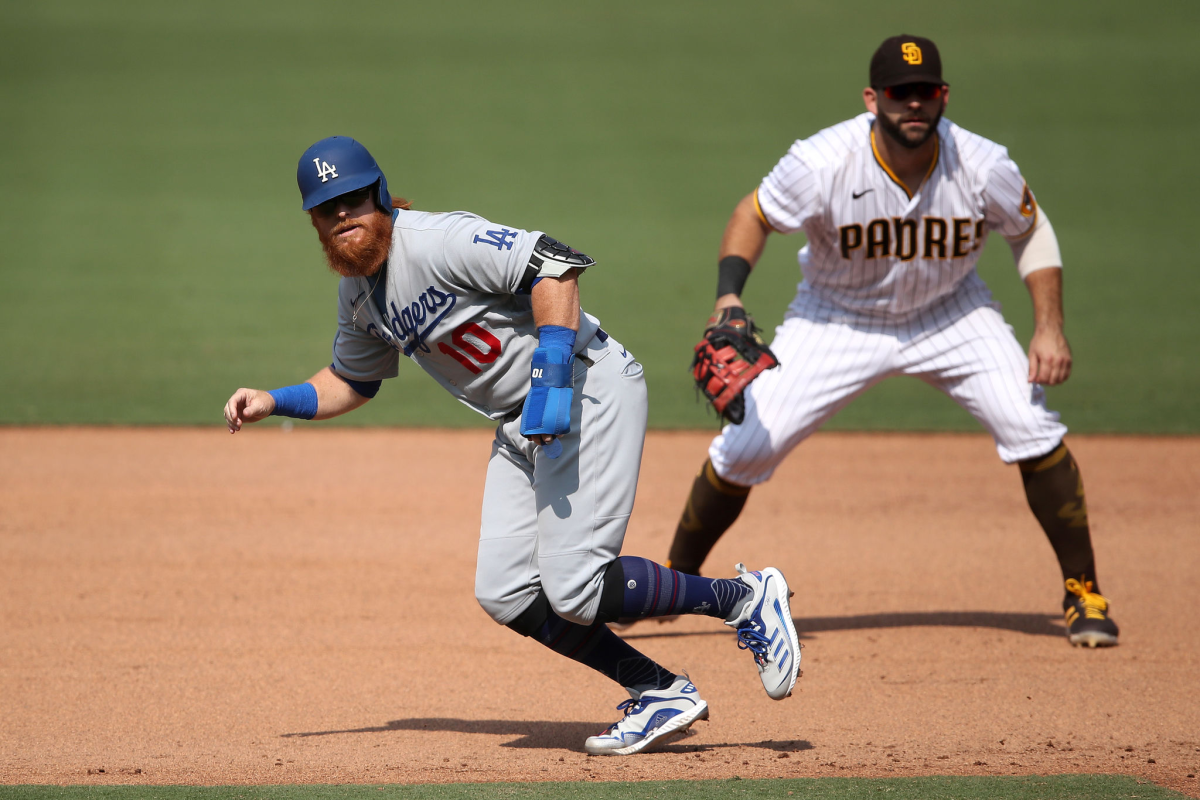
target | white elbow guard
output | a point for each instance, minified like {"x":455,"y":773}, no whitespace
{"x":551,"y":259}
{"x":1037,"y":249}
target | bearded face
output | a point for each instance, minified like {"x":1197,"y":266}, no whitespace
{"x":355,"y":246}
{"x":911,"y":117}
{"x":913,"y":128}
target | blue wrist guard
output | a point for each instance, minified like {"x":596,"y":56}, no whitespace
{"x":547,"y":407}
{"x":295,"y":401}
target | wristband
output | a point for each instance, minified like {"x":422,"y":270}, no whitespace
{"x":732,"y":272}
{"x":552,"y":360}
{"x":556,"y":336}
{"x":299,"y":402}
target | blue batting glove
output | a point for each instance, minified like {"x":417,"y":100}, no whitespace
{"x":548,"y":405}
{"x":547,"y":408}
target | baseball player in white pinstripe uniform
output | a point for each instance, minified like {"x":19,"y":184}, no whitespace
{"x":897,"y":204}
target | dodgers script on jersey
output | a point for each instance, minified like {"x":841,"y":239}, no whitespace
{"x":874,"y":247}
{"x":450,"y":303}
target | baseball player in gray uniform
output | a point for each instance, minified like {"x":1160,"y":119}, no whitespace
{"x":896,"y":204}
{"x":491,"y":312}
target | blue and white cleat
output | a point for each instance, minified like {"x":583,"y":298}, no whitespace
{"x":651,"y":720}
{"x":765,"y":629}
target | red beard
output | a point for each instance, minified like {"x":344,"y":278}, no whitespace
{"x":356,"y":259}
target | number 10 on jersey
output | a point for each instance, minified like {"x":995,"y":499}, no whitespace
{"x":470,"y":340}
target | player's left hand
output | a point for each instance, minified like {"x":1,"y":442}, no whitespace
{"x":546,"y":413}
{"x":1049,"y":356}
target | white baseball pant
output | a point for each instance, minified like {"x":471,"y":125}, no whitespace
{"x":829,"y":356}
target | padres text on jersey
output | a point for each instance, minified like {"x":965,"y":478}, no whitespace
{"x":878,"y":246}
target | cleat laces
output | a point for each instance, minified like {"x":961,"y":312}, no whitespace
{"x":1094,"y":604}
{"x":630,"y":706}
{"x":750,"y":639}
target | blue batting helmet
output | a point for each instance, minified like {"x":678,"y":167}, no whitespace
{"x":337,"y":165}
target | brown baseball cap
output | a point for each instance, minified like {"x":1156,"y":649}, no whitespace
{"x":906,"y":59}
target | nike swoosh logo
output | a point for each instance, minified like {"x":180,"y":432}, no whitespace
{"x":856,"y":195}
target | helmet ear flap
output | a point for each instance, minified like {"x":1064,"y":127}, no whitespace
{"x":383,"y":197}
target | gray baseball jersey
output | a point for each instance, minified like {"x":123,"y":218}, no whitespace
{"x":452,"y":306}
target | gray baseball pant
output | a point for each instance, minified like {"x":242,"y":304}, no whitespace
{"x":554,"y":525}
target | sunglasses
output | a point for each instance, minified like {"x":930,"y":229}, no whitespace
{"x":923,"y":91}
{"x":349,"y":199}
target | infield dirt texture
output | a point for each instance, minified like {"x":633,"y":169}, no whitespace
{"x":180,"y":606}
{"x":189,"y":607}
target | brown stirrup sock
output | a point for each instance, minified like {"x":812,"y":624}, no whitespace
{"x":712,"y":507}
{"x":1054,"y":489}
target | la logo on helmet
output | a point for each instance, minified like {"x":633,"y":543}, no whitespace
{"x":911,"y":53}
{"x":325,"y":171}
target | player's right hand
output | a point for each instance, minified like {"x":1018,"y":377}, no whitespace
{"x":247,"y":405}
{"x":728,"y":358}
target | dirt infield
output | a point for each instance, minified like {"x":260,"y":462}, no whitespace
{"x":180,"y":606}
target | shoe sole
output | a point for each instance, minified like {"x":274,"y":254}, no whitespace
{"x":793,"y":637}
{"x":677,"y":727}
{"x":1093,"y":639}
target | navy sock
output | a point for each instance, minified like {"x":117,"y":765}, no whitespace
{"x":652,"y":590}
{"x":604,"y":651}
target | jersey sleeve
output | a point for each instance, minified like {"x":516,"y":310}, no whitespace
{"x":788,"y":197}
{"x":486,"y":257}
{"x":1009,"y":207}
{"x":357,"y":353}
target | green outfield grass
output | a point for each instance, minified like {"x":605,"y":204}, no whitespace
{"x":1059,"y":787}
{"x":155,"y":257}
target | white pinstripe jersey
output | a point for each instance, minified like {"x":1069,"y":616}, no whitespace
{"x":874,"y":248}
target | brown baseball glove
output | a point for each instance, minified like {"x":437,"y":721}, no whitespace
{"x":730,"y":355}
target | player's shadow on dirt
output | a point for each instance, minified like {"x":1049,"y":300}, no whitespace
{"x":537,"y":734}
{"x":1032,"y":624}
